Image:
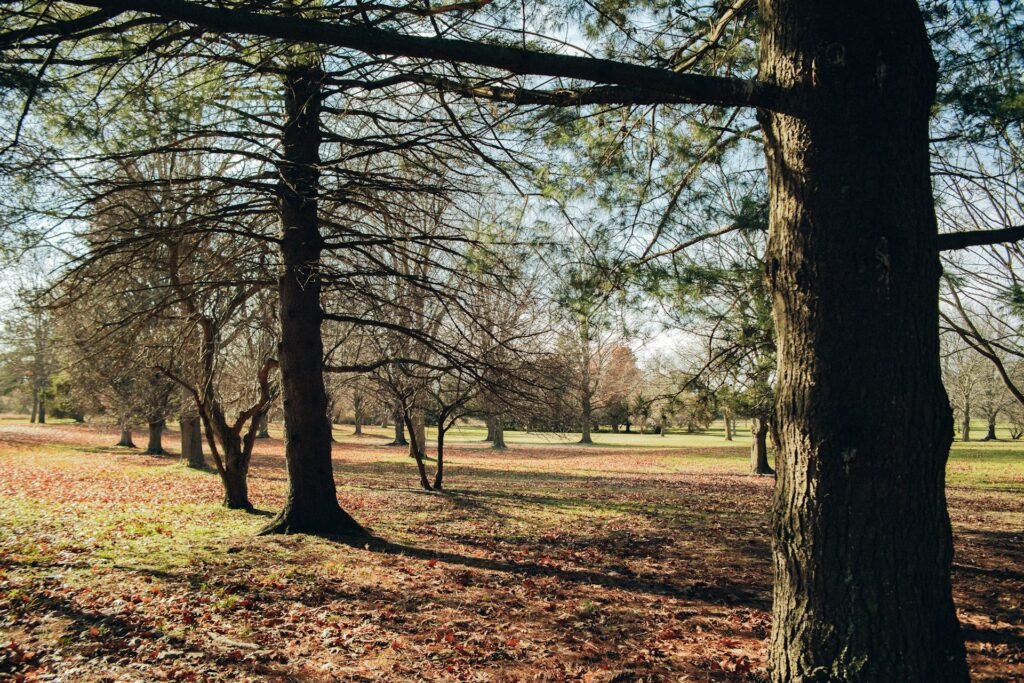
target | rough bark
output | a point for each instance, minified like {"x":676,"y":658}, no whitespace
{"x":312,"y":502}
{"x":965,"y":424}
{"x":155,"y":445}
{"x":192,"y":442}
{"x":490,"y":429}
{"x":759,"y":447}
{"x":126,"y":437}
{"x":862,"y":542}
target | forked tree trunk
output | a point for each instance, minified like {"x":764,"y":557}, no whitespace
{"x":235,"y":473}
{"x":862,"y":542}
{"x":191,"y":442}
{"x":126,"y":437}
{"x":312,"y":502}
{"x":155,"y":445}
{"x":759,"y":447}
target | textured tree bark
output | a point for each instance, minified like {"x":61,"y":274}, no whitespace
{"x":759,"y":447}
{"x":498,"y":442}
{"x":490,"y":428}
{"x":192,"y":442}
{"x":586,"y":417}
{"x":312,"y":502}
{"x":965,"y":425}
{"x":126,"y":437}
{"x":155,"y":445}
{"x":862,"y":542}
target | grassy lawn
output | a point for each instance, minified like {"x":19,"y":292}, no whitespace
{"x":641,"y":558}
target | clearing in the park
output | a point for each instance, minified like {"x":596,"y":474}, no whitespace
{"x":641,"y":558}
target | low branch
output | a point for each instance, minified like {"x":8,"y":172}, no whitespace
{"x":976,"y":238}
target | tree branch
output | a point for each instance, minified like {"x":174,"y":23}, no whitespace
{"x":672,"y":86}
{"x":975,"y":238}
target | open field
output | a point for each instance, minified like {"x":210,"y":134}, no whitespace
{"x":642,"y":558}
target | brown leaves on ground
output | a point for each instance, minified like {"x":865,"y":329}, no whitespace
{"x":543,"y":563}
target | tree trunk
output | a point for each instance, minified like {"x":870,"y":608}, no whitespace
{"x":399,"y":426}
{"x":417,"y":433}
{"x":862,"y":543}
{"x":490,"y":428}
{"x":35,"y":405}
{"x":235,"y":473}
{"x":156,"y":432}
{"x":759,"y":447}
{"x":728,"y":428}
{"x":312,"y":503}
{"x":357,"y":409}
{"x":585,"y":419}
{"x":439,"y":473}
{"x":417,"y":448}
{"x":126,"y":437}
{"x":263,"y":428}
{"x":41,"y":418}
{"x":192,"y":442}
{"x":991,"y":434}
{"x":966,"y":424}
{"x":498,"y":442}
{"x":615,"y":428}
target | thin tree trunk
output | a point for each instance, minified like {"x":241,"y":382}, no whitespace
{"x":399,"y":426}
{"x":585,"y":419}
{"x":417,"y":433}
{"x":357,"y":409}
{"x":35,"y":405}
{"x":728,"y":428}
{"x":759,"y":447}
{"x":417,"y":449}
{"x":126,"y":437}
{"x":192,"y":442}
{"x":439,"y":472}
{"x":42,"y":411}
{"x":155,"y":445}
{"x":312,"y":502}
{"x":862,"y":541}
{"x":965,"y":425}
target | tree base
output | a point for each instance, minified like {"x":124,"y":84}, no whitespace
{"x":335,"y":523}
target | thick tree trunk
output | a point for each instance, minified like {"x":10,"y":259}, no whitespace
{"x":498,"y":442}
{"x":399,"y":416}
{"x":192,"y":442}
{"x":312,"y":503}
{"x":35,"y":405}
{"x":759,"y":447}
{"x":965,"y":425}
{"x":155,"y":445}
{"x":126,"y":437}
{"x":615,"y":428}
{"x":991,"y":434}
{"x":862,"y":542}
{"x":41,"y":417}
{"x":490,"y":429}
{"x":235,"y":473}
